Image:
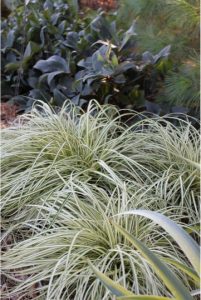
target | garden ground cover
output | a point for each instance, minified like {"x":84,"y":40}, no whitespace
{"x":67,"y":174}
{"x":92,"y":195}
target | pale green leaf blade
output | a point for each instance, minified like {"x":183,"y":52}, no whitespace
{"x":169,"y":278}
{"x":113,"y":286}
{"x":144,"y":297}
{"x":189,"y":271}
{"x":196,"y":292}
{"x":187,"y":244}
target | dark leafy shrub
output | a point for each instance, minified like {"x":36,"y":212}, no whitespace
{"x":50,"y":51}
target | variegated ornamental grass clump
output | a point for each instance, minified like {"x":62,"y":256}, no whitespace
{"x":175,"y":286}
{"x":64,"y":178}
{"x":40,"y":156}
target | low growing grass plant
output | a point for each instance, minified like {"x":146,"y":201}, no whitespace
{"x":66,"y":175}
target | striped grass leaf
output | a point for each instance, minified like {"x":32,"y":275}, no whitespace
{"x":113,"y":286}
{"x":142,"y":297}
{"x":184,"y":268}
{"x":119,"y":290}
{"x":169,"y":278}
{"x":196,"y":292}
{"x":185,"y":241}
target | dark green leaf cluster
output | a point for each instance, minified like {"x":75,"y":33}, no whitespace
{"x":51,"y":51}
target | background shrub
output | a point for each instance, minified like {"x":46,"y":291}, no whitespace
{"x":51,"y":51}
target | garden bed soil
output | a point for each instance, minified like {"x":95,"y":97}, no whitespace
{"x":8,"y":114}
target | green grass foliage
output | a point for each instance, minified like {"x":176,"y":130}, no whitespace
{"x":67,"y":175}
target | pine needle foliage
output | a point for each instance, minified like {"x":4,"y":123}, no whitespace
{"x":177,"y":23}
{"x":181,"y":86}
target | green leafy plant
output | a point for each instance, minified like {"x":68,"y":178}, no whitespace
{"x":52,"y":53}
{"x":187,"y":245}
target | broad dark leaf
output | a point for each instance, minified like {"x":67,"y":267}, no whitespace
{"x":43,"y":80}
{"x":31,"y":49}
{"x":11,"y":57}
{"x":124,"y":66}
{"x":52,"y":75}
{"x":102,"y":27}
{"x":152,"y":107}
{"x":163,"y":53}
{"x":86,"y":63}
{"x":59,"y":97}
{"x":54,"y":18}
{"x":19,"y":100}
{"x":52,"y":64}
{"x":100,"y":58}
{"x":120,"y":79}
{"x":80,"y":74}
{"x":48,"y":4}
{"x":128,"y":34}
{"x":76,"y":99}
{"x":29,"y":105}
{"x":147,"y":57}
{"x":180,"y":109}
{"x":34,"y":34}
{"x":72,"y":39}
{"x":87,"y":90}
{"x":42,"y":35}
{"x":90,"y":77}
{"x":97,"y":61}
{"x":10,"y":38}
{"x":82,"y":102}
{"x":33,"y":81}
{"x":62,"y":26}
{"x":40,"y":95}
{"x":97,"y":23}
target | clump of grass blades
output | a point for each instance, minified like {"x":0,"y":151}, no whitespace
{"x":173,"y":153}
{"x":42,"y":154}
{"x":65,"y":175}
{"x":55,"y":257}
